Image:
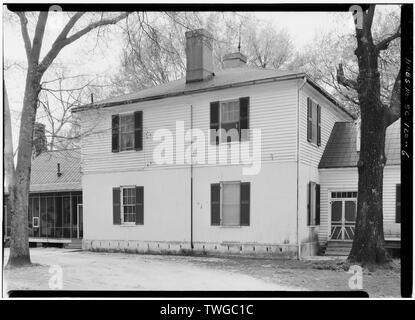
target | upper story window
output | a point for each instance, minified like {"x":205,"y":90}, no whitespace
{"x":313,"y":122}
{"x":231,"y":116}
{"x":127,"y":131}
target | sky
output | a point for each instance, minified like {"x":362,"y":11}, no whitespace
{"x":86,"y":57}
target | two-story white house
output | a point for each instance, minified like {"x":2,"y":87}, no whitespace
{"x":157,"y":178}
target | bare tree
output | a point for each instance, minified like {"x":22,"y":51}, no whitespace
{"x":19,"y":180}
{"x":57,"y":98}
{"x":376,"y":116}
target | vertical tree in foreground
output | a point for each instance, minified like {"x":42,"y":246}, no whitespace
{"x":18,"y":177}
{"x":368,"y":244}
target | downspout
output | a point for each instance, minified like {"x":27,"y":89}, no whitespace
{"x":298,"y":166}
{"x":191,"y":178}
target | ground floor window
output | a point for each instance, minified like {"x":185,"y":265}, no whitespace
{"x":128,"y":205}
{"x":230,"y":203}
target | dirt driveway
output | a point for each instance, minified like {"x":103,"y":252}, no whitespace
{"x":82,"y":270}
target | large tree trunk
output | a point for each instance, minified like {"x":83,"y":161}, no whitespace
{"x":368,"y":245}
{"x":19,"y":188}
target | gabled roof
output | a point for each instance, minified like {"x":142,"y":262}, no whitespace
{"x":44,"y":175}
{"x":341,"y":151}
{"x":222,"y":79}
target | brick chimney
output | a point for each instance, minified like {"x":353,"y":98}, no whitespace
{"x":234,"y":60}
{"x":199,"y":66}
{"x":39,"y":139}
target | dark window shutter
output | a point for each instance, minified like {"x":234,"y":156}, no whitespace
{"x":243,"y":118}
{"x":139,"y":205}
{"x":317,"y":204}
{"x":245,"y":203}
{"x":398,"y":204}
{"x":116,"y":213}
{"x":309,"y":119}
{"x":115,"y":133}
{"x":309,"y":203}
{"x":318,"y":125}
{"x":215,"y":204}
{"x":138,"y":130}
{"x":214,"y":120}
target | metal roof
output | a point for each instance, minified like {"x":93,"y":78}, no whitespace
{"x":341,"y":150}
{"x":225,"y":78}
{"x":44,"y":175}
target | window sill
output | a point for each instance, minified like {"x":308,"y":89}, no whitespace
{"x":315,"y":145}
{"x":130,"y":225}
{"x":230,"y":227}
{"x":127,"y":151}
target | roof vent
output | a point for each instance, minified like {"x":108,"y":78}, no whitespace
{"x":234,"y":60}
{"x":59,"y":173}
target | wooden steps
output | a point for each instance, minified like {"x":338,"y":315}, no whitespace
{"x":338,"y":248}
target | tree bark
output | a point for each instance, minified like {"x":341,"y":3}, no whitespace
{"x":368,"y":245}
{"x":19,"y":191}
{"x":19,"y":183}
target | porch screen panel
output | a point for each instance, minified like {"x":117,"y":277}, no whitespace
{"x":59,"y":220}
{"x":66,"y":214}
{"x":51,"y":216}
{"x":350,"y":211}
{"x":43,"y":217}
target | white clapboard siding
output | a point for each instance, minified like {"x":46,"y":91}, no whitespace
{"x":96,"y":147}
{"x":272,"y":109}
{"x":346,"y":179}
{"x":310,"y":153}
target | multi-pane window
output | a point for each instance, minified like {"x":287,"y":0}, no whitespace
{"x":231,"y":195}
{"x":128,"y":204}
{"x":126,"y":132}
{"x":230,"y":203}
{"x":229,"y":117}
{"x":232,"y":116}
{"x":313,"y":122}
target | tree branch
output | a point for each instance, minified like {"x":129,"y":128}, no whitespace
{"x":25,"y":33}
{"x":384,"y":44}
{"x":341,"y":79}
{"x":61,"y":43}
{"x":394,"y":111}
{"x":38,"y":37}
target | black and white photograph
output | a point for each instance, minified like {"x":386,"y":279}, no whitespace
{"x":210,"y":150}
